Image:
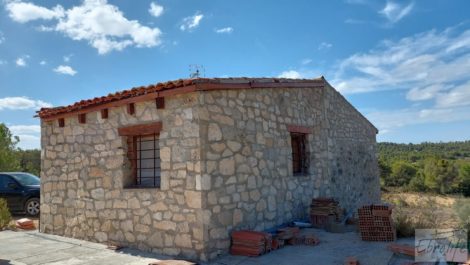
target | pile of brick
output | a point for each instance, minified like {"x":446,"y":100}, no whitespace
{"x":25,"y":224}
{"x":375,"y":223}
{"x":324,"y":211}
{"x":250,"y":243}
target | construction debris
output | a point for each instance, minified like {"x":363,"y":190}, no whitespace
{"x":324,"y":211}
{"x":250,"y":243}
{"x":25,"y":224}
{"x":375,"y":223}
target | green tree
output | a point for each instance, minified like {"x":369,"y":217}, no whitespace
{"x":30,"y":161}
{"x":401,"y":174}
{"x":385,"y":171}
{"x":8,"y":158}
{"x":464,"y":179}
{"x":441,"y":175}
{"x":417,"y":183}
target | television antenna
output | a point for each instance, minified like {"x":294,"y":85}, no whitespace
{"x":196,"y":71}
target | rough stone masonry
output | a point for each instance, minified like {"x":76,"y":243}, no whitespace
{"x":226,"y":162}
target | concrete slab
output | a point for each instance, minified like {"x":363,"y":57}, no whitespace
{"x":332,"y":250}
{"x":26,"y":248}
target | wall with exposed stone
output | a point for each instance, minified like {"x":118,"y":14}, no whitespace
{"x":248,"y":157}
{"x":226,"y":165}
{"x":82,"y":181}
{"x":352,"y":156}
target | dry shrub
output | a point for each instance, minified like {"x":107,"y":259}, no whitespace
{"x":462,"y":209}
{"x":5,"y":216}
{"x":407,"y":219}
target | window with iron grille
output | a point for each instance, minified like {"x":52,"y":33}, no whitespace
{"x":299,"y":153}
{"x":143,"y":153}
{"x":144,"y":156}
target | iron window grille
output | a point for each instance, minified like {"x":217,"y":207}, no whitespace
{"x":144,"y":156}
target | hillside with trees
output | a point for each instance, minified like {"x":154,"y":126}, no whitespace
{"x":13,"y":158}
{"x":427,"y":167}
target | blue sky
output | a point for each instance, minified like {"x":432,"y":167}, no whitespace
{"x":404,"y":64}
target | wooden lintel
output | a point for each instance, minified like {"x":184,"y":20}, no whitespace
{"x":299,"y":129}
{"x":141,"y":129}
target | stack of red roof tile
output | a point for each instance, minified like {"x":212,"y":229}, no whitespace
{"x":250,"y":243}
{"x":25,"y":223}
{"x":375,"y":223}
{"x":323,"y":211}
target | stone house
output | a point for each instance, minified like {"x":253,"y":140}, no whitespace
{"x":172,"y":168}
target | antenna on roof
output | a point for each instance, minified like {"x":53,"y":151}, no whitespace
{"x":196,"y":71}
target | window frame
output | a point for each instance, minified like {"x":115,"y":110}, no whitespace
{"x":301,"y":133}
{"x":132,"y":134}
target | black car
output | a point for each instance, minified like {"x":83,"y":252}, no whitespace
{"x":21,"y":191}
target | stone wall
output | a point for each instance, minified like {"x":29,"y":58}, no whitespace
{"x":248,"y":164}
{"x":226,"y":165}
{"x":82,"y":181}
{"x":352,"y":156}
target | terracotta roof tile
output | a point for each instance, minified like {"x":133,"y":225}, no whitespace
{"x":155,"y":88}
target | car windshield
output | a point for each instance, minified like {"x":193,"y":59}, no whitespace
{"x":26,"y":179}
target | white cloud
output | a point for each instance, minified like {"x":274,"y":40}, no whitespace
{"x":457,"y":96}
{"x":2,"y":62}
{"x":393,"y":119}
{"x":419,"y":63}
{"x":22,"y":103}
{"x":21,"y":61}
{"x":2,"y":37}
{"x":432,"y":67}
{"x":429,"y":92}
{"x":325,"y":46}
{"x":290,"y":74}
{"x":42,"y":62}
{"x":224,"y":30}
{"x":394,"y":12}
{"x":101,"y":24}
{"x":24,"y":129}
{"x":306,"y":61}
{"x":155,"y":9}
{"x":30,"y":135}
{"x":23,"y":12}
{"x":192,"y":22}
{"x":65,"y":69}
